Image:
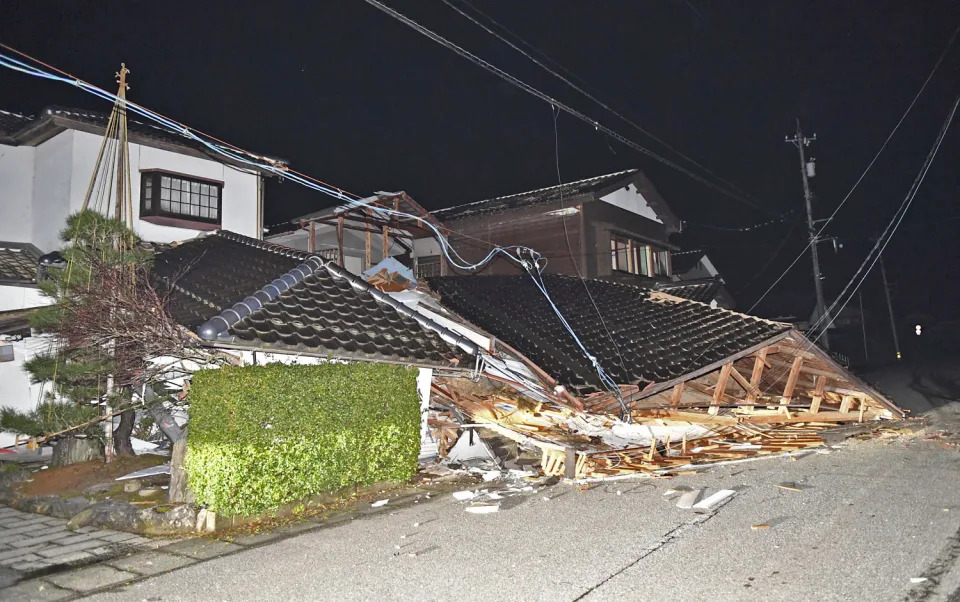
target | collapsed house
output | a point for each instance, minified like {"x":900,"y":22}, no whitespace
{"x":696,"y":384}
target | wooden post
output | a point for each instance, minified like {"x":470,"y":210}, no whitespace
{"x":791,"y":380}
{"x":367,"y":255}
{"x":758,"y":365}
{"x":313,"y":236}
{"x":385,"y":246}
{"x":720,"y":389}
{"x":818,"y":394}
{"x":845,"y":404}
{"x":675,"y":397}
{"x":340,"y":239}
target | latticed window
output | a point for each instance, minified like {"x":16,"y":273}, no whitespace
{"x":428,"y":266}
{"x":174,"y":195}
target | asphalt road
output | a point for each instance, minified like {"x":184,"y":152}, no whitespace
{"x":870,"y":516}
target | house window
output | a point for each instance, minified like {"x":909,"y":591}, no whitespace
{"x":632,"y":256}
{"x":173,"y":195}
{"x":428,"y":266}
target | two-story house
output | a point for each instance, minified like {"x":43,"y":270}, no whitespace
{"x":183,"y":189}
{"x":179,"y":187}
{"x":613,"y":227}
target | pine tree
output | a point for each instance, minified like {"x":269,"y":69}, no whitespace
{"x":103,"y":263}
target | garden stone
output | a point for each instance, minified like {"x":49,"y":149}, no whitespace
{"x":66,"y":508}
{"x":81,"y":519}
{"x":113,"y":514}
{"x":38,"y":504}
{"x":98,"y":489}
{"x":131,"y":485}
{"x":179,"y":519}
{"x":148,"y":491}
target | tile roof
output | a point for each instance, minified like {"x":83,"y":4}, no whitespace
{"x":324,"y":314}
{"x":659,"y":337}
{"x":18,"y":263}
{"x":533,"y":197}
{"x":703,"y":290}
{"x":10,"y":123}
{"x":15,"y":127}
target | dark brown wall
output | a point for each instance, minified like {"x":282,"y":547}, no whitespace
{"x":587,"y":235}
{"x":527,"y":226}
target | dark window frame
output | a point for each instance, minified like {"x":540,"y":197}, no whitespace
{"x":152,"y":190}
{"x":634,"y":256}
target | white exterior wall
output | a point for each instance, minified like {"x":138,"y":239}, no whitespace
{"x":52,"y":175}
{"x":40,"y":186}
{"x":631,"y":200}
{"x":16,"y":191}
{"x":426,"y":247}
{"x":21,"y":297}
{"x":16,"y":390}
{"x":239,"y":200}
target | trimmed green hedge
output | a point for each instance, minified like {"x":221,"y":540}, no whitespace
{"x":263,"y":436}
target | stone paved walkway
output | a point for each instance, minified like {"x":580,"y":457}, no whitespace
{"x":31,"y":543}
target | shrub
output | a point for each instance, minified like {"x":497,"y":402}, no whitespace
{"x":263,"y":436}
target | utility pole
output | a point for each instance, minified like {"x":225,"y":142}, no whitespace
{"x":807,"y":171}
{"x":893,"y":323}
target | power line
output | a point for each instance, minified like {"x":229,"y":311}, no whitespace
{"x":881,"y":243}
{"x":883,"y":146}
{"x":527,"y":258}
{"x":891,"y":228}
{"x":516,"y":82}
{"x":580,"y":88}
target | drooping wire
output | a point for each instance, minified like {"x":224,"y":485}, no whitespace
{"x":624,"y":411}
{"x":881,"y":244}
{"x":520,"y":84}
{"x":888,"y":232}
{"x":529,"y":259}
{"x":580,"y":88}
{"x":770,"y":222}
{"x":883,"y":146}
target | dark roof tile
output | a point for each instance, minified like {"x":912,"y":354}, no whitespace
{"x":639,"y":336}
{"x":322,"y":315}
{"x":533,"y":197}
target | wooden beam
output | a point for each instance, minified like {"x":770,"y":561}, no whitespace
{"x":818,"y":394}
{"x":720,"y":389}
{"x":385,"y":244}
{"x":675,"y":396}
{"x":846,"y":403}
{"x":340,"y":240}
{"x":742,"y":381}
{"x":681,"y":416}
{"x":806,"y":369}
{"x":759,"y":363}
{"x":313,"y":236}
{"x":792,"y":380}
{"x":808,"y":417}
{"x":367,"y":255}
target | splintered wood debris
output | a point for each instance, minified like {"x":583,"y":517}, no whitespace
{"x":775,"y":400}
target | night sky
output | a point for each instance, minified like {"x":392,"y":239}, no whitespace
{"x":351,"y":96}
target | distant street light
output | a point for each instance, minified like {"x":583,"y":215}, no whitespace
{"x":919,"y":330}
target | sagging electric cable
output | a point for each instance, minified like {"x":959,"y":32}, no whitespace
{"x":513,"y":253}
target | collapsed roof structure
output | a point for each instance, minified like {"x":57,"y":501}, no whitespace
{"x":696,"y":383}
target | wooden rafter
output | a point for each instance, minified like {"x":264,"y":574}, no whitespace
{"x":792,"y":380}
{"x":720,"y":388}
